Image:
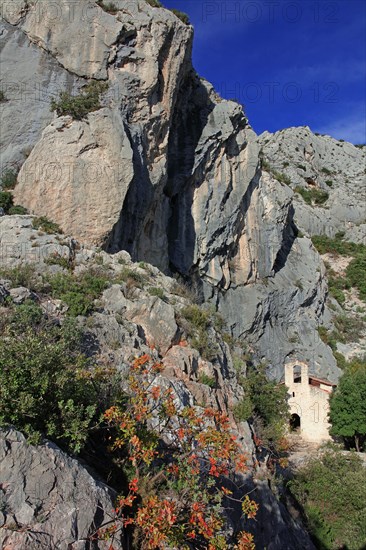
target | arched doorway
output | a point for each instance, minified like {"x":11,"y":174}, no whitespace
{"x":295,"y":423}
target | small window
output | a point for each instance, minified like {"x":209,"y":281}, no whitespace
{"x":293,"y":394}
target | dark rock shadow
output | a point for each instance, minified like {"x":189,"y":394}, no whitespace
{"x":289,"y":235}
{"x":124,"y":235}
{"x":191,"y":115}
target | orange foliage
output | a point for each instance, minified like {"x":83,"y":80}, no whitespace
{"x":174,"y":495}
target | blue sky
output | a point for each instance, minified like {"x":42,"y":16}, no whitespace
{"x":290,"y":62}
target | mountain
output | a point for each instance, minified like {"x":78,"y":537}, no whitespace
{"x":151,"y":167}
{"x":173,"y":174}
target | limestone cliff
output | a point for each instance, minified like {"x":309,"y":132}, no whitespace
{"x":170,"y":172}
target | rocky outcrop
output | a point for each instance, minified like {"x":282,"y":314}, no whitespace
{"x":22,"y":243}
{"x":323,"y":163}
{"x":30,"y":78}
{"x":53,"y":28}
{"x":83,"y":170}
{"x":47,"y":499}
{"x":285,"y":309}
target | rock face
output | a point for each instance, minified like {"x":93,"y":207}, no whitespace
{"x":83,"y":171}
{"x":174,"y":175}
{"x":30,"y":78}
{"x":321,"y":162}
{"x":21,"y":243}
{"x":54,"y":27}
{"x":48,"y":500}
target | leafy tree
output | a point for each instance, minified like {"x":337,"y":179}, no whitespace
{"x":331,"y":489}
{"x":348,"y":407}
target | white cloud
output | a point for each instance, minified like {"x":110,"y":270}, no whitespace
{"x":350,"y":128}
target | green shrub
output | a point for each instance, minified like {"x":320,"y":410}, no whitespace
{"x":8,"y":179}
{"x":199,"y":318}
{"x":348,"y":329}
{"x":3,"y":98}
{"x":329,"y":183}
{"x":356,"y":274}
{"x":205,"y":345}
{"x":109,"y":7}
{"x":22,"y":275}
{"x":56,"y":259}
{"x":17,"y":210}
{"x":269,"y":398}
{"x":196,"y":323}
{"x":155,"y":291}
{"x":228,"y":339}
{"x":184,"y":290}
{"x":207,"y":380}
{"x":41,"y":391}
{"x":328,"y":338}
{"x":337,"y":285}
{"x":337,"y":245}
{"x":130,"y":275}
{"x":243,"y":410}
{"x":323,"y":333}
{"x":6,"y":200}
{"x":312,"y":196}
{"x":337,"y":294}
{"x":44,"y":224}
{"x":355,"y":271}
{"x":326,"y":171}
{"x":302,"y":167}
{"x":79,"y":106}
{"x":331,"y":489}
{"x":155,"y":3}
{"x":266,"y":165}
{"x":181,"y":15}
{"x":279,"y":176}
{"x":78,"y":293}
{"x":282,"y":178}
{"x":26,"y":315}
{"x":299,"y":284}
{"x":341,"y":360}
